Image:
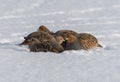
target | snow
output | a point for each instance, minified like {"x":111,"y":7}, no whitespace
{"x":101,"y":18}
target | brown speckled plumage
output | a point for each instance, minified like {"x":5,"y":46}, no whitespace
{"x":65,"y":33}
{"x":82,"y":41}
{"x":41,"y":36}
{"x":45,"y":40}
{"x":88,"y":41}
{"x":44,"y":29}
{"x":36,"y":46}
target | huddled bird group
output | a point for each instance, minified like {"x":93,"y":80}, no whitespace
{"x":44,"y":40}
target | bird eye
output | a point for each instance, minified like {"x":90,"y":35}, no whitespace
{"x":25,"y":38}
{"x":32,"y":39}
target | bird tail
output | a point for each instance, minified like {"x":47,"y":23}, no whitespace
{"x":99,"y":45}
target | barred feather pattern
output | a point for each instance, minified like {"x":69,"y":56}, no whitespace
{"x":41,"y":36}
{"x":65,"y":33}
{"x":44,"y":29}
{"x":37,"y":47}
{"x":88,"y":41}
{"x":45,"y":46}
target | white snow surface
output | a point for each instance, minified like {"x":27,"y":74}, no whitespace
{"x":101,"y":18}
